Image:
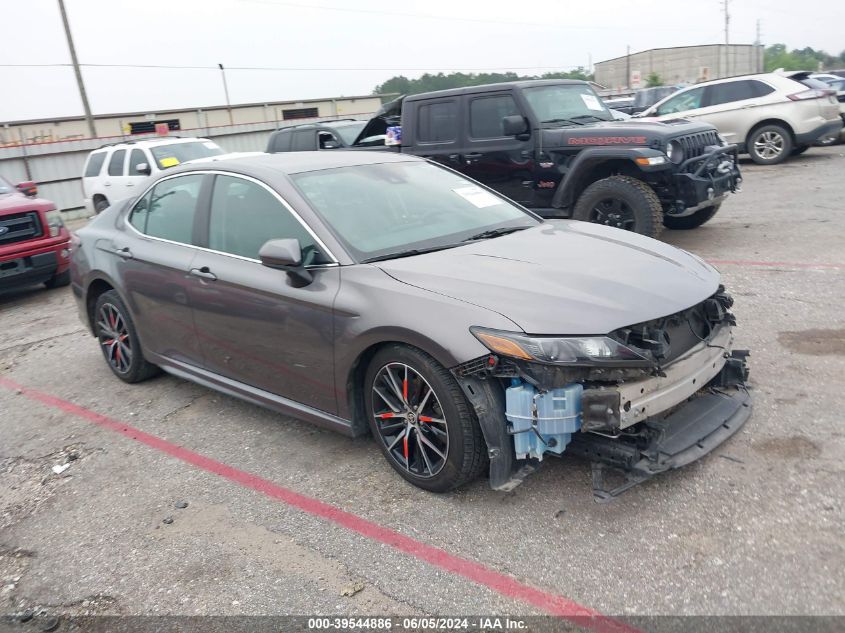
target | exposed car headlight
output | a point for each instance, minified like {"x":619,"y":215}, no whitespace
{"x":560,"y":350}
{"x":675,"y":152}
{"x":54,"y":222}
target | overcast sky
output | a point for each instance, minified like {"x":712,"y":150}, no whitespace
{"x":347,"y":47}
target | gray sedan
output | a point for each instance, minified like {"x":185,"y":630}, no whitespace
{"x":379,"y":293}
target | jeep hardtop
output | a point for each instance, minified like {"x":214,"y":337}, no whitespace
{"x":553,"y":146}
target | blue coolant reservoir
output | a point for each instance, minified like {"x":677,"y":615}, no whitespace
{"x":555,"y":414}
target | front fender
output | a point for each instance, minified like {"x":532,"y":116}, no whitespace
{"x":587,"y":160}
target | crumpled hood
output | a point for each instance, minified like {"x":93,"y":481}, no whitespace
{"x":565,"y":277}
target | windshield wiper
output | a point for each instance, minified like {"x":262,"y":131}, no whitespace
{"x":563,"y":121}
{"x":408,"y":253}
{"x":589,"y":116}
{"x":502,"y":230}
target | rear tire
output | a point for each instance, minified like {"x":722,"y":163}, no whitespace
{"x":622,"y":202}
{"x":691,"y":221}
{"x":769,"y":144}
{"x":445,"y":447}
{"x":118,"y":339}
{"x":59,"y":280}
{"x":101,"y":205}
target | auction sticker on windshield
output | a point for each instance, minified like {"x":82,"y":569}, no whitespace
{"x":477,"y":196}
{"x":592,"y":102}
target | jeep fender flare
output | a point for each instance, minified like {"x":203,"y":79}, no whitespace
{"x":589,"y":159}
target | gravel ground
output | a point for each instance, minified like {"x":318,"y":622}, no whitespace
{"x":754,"y":528}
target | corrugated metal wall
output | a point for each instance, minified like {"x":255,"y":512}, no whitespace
{"x":57,"y":167}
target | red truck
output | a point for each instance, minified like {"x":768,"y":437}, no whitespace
{"x":34,"y":243}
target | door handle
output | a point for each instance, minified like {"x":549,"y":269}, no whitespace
{"x":123,"y":253}
{"x":130,"y":184}
{"x":107,"y":184}
{"x":472,"y":155}
{"x":204,"y":273}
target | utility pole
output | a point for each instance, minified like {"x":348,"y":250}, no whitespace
{"x":759,"y":49}
{"x":88,"y":117}
{"x":628,"y":69}
{"x":727,"y":40}
{"x":226,"y":90}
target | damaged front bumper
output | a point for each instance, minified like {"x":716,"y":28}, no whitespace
{"x":638,"y":427}
{"x":706,"y":180}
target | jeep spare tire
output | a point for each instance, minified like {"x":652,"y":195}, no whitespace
{"x":622,"y":202}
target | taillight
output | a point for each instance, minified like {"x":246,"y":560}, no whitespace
{"x":815,"y":93}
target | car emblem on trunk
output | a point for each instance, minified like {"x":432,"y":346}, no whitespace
{"x":4,"y":230}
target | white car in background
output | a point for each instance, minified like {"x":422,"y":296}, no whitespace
{"x":769,"y":115}
{"x":112,"y":171}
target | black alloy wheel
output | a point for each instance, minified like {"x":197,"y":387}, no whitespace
{"x":410,"y":420}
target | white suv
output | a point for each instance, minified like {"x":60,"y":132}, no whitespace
{"x":769,"y":116}
{"x":111,"y":172}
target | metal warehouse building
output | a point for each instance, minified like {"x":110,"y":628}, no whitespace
{"x":681,"y":64}
{"x":195,"y":121}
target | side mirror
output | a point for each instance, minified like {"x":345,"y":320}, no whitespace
{"x":514,"y":125}
{"x":285,"y":254}
{"x":331,"y":145}
{"x":143,"y":168}
{"x":27,"y":188}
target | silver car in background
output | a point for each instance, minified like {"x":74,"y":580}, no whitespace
{"x":770,"y":116}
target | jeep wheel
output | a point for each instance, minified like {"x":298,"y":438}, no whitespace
{"x":691,"y":221}
{"x":769,"y":145}
{"x":421,"y":420}
{"x":622,"y":202}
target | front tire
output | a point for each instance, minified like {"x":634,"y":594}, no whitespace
{"x":118,"y":339}
{"x":421,"y":420}
{"x":769,"y":145}
{"x":691,"y":221}
{"x":622,"y":202}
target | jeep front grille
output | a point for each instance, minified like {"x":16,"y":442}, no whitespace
{"x":19,"y":227}
{"x":694,"y":144}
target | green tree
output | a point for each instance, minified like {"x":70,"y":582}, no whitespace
{"x":428,"y":82}
{"x":653,"y":80}
{"x":807,"y":58}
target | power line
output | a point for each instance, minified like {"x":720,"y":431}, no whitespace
{"x":297,"y":69}
{"x":449,"y":18}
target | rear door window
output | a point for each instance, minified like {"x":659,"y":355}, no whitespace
{"x":304,"y":140}
{"x":116,"y":163}
{"x":730,"y":92}
{"x":95,"y":164}
{"x":437,"y":122}
{"x":167,"y":211}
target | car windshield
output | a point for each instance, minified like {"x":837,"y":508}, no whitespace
{"x":177,"y":153}
{"x":562,"y":103}
{"x":388,"y":209}
{"x":5,"y":187}
{"x":350,"y":132}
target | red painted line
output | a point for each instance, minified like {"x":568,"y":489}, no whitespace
{"x":550,"y":603}
{"x":742,"y":262}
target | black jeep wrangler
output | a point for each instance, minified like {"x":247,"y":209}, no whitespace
{"x":554,"y":147}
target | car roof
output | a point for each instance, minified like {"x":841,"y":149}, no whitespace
{"x":154,"y":142}
{"x":296,"y":162}
{"x":528,"y":83}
